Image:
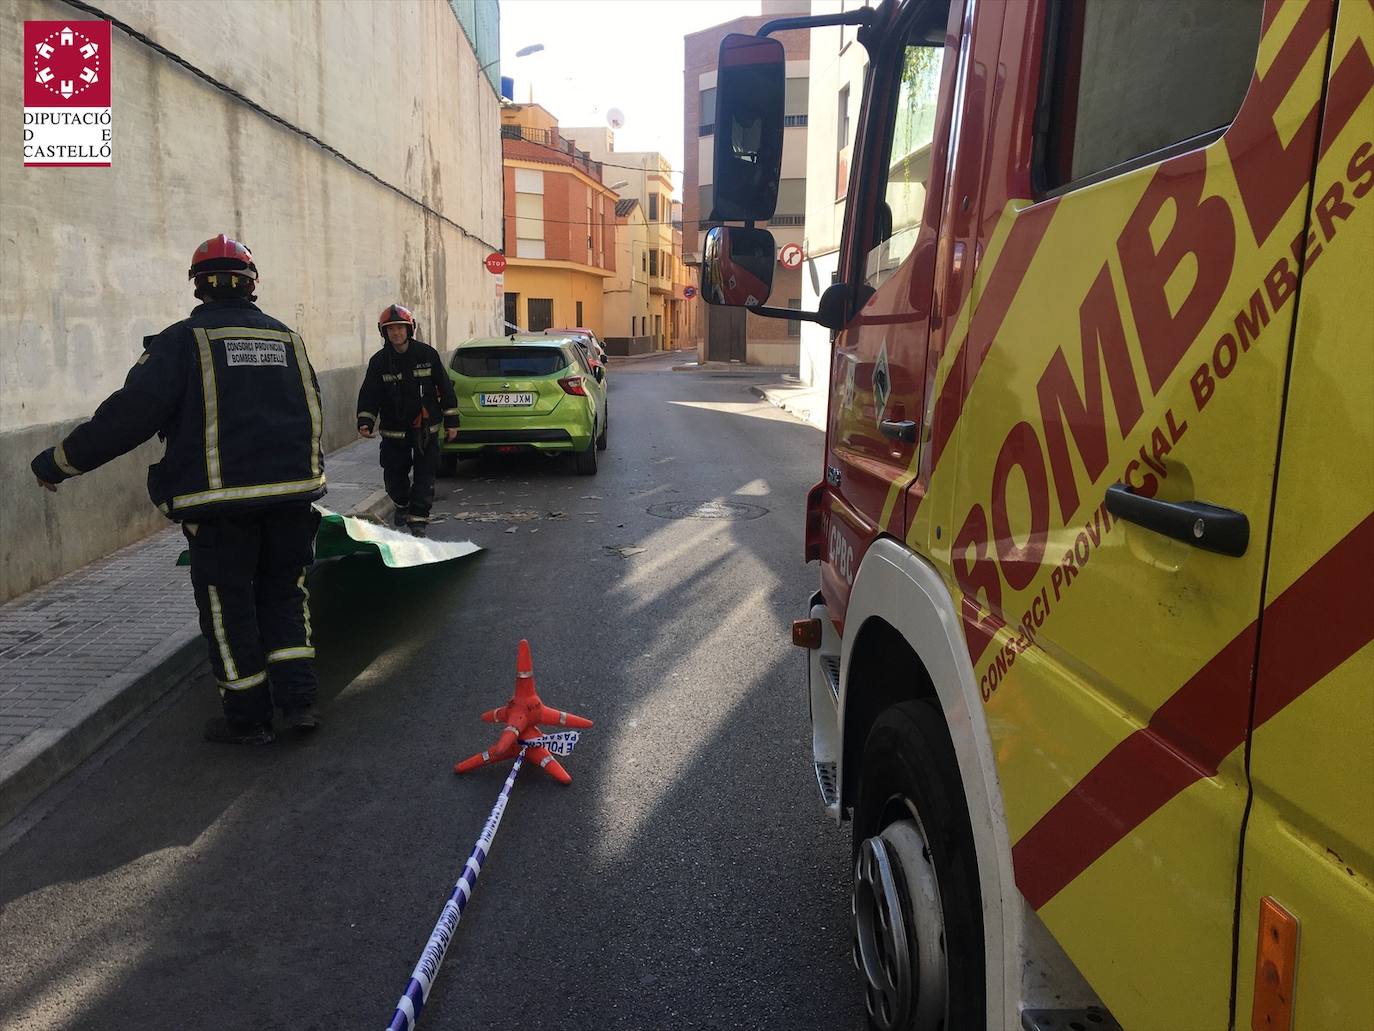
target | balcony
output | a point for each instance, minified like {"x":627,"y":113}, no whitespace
{"x":520,"y":141}
{"x":788,"y":122}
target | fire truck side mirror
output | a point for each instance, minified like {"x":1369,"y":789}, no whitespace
{"x":737,"y":266}
{"x":750,"y":84}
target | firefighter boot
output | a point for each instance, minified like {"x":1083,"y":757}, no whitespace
{"x":305,"y":720}
{"x":231,"y":732}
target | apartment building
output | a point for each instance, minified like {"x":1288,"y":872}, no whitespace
{"x":560,"y":225}
{"x":682,"y":314}
{"x":731,"y":334}
{"x":647,"y":177}
{"x":627,"y":294}
{"x":838,"y":66}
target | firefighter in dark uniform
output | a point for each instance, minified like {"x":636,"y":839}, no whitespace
{"x":232,"y":393}
{"x":407,"y":397}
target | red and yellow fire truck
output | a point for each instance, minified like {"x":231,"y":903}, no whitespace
{"x":1090,"y":665}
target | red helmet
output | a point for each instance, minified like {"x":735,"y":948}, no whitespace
{"x":395,"y":315}
{"x":221,"y":254}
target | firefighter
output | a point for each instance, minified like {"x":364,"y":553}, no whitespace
{"x":232,"y":393}
{"x":407,"y":396}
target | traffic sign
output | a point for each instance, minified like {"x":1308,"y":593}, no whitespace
{"x":496,"y":263}
{"x":689,"y":292}
{"x":790,"y":256}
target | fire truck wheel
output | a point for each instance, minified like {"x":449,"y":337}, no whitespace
{"x":918,"y":921}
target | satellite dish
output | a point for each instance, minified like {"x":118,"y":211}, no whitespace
{"x":615,"y":118}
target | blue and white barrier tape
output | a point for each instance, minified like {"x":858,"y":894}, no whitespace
{"x":423,"y":976}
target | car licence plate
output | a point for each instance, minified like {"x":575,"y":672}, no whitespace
{"x":505,"y":400}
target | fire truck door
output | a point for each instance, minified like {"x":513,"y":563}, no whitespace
{"x":878,"y":367}
{"x":1114,"y":466}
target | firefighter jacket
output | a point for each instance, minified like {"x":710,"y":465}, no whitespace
{"x":407,"y":391}
{"x":232,"y":393}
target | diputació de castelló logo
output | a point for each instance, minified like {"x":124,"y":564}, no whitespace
{"x":67,"y":94}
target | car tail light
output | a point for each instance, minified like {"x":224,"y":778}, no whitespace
{"x":572,"y":385}
{"x":815,"y":522}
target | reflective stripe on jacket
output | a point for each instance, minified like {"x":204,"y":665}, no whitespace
{"x":233,"y":393}
{"x":397,"y":387}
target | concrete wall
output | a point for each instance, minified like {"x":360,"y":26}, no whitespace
{"x":91,"y":260}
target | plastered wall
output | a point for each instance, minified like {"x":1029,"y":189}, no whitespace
{"x":91,"y":260}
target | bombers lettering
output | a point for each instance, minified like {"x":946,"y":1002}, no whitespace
{"x":1089,"y":539}
{"x":1281,"y":283}
{"x":1202,"y":233}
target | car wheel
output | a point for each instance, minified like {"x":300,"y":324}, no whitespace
{"x":918,"y":927}
{"x":448,"y":464}
{"x":601,"y":440}
{"x":585,"y":461}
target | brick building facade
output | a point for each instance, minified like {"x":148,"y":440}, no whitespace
{"x":560,"y":227}
{"x":730,"y":334}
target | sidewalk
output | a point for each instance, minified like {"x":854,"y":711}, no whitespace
{"x":742,"y":368}
{"x":618,"y":359}
{"x":807,"y":403}
{"x":84,"y":654}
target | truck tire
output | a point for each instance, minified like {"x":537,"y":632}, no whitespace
{"x":918,"y":915}
{"x":585,"y":461}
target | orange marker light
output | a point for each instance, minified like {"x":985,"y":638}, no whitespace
{"x":1276,"y":968}
{"x":806,"y":633}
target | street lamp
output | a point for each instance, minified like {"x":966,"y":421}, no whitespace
{"x":533,"y":48}
{"x":616,"y":186}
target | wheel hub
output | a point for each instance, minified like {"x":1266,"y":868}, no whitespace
{"x":899,"y":942}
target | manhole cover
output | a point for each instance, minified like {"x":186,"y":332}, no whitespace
{"x":706,"y":510}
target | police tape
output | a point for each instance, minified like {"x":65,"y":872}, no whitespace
{"x":560,"y":742}
{"x":422,"y":978}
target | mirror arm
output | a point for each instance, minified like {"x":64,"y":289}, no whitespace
{"x":799,"y":314}
{"x":863,"y":16}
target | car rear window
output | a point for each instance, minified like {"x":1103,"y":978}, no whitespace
{"x":508,"y":361}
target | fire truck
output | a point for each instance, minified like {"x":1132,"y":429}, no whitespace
{"x":1090,"y":665}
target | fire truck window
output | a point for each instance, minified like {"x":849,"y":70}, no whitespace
{"x":1129,"y":80}
{"x":909,"y":153}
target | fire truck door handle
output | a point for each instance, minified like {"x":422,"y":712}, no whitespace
{"x":1221,"y":530}
{"x":904,"y":429}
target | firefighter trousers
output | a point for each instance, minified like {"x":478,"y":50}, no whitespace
{"x":399,"y":458}
{"x":248,"y":572}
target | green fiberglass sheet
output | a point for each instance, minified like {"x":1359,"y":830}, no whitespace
{"x":348,"y":535}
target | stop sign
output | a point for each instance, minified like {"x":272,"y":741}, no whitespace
{"x":496,"y":263}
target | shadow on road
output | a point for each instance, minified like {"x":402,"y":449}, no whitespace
{"x":687,"y":879}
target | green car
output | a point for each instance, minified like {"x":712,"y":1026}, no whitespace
{"x":527,"y":394}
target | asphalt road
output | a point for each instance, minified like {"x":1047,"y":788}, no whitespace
{"x":686,"y":879}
